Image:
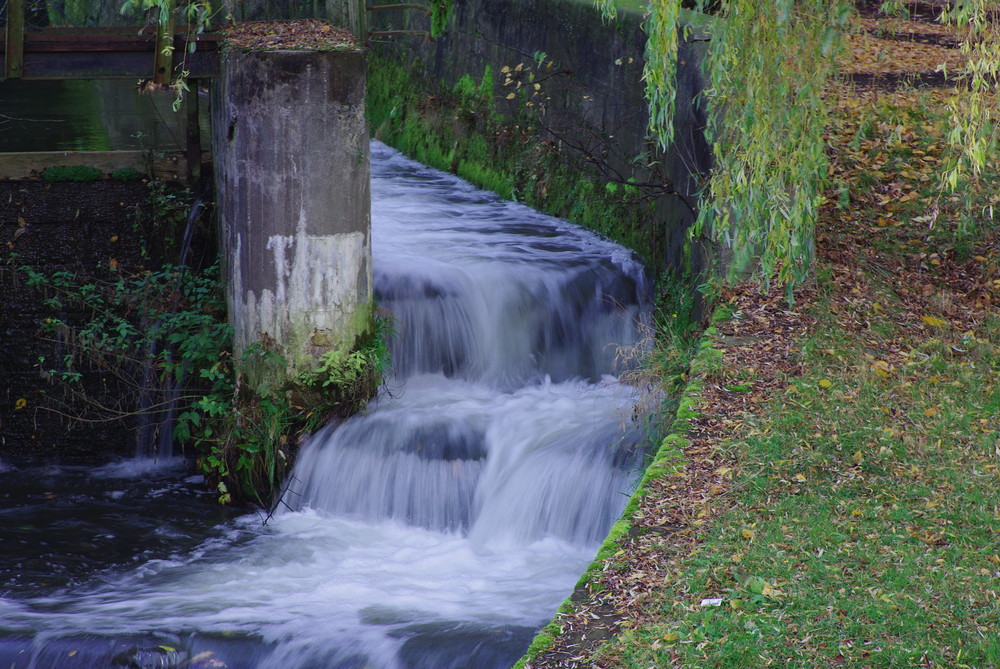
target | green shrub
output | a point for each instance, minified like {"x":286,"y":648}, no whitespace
{"x":72,"y":173}
{"x":126,"y":174}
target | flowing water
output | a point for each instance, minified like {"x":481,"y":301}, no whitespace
{"x":440,"y":529}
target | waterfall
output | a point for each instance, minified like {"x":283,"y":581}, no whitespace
{"x":505,"y":424}
{"x":440,"y":528}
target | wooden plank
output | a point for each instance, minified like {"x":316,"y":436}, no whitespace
{"x":111,"y":65}
{"x":14,"y":39}
{"x":30,"y":165}
{"x":53,"y":40}
{"x":74,"y":53}
{"x":386,"y":8}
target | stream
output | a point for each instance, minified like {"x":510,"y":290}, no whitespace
{"x":439,"y":529}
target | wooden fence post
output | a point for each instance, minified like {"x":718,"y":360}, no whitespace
{"x":15,"y":39}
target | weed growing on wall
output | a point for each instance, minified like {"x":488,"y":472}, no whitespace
{"x":167,"y":324}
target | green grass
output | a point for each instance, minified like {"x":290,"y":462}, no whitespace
{"x":865,"y":526}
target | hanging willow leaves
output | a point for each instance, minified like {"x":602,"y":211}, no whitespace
{"x":661,"y":67}
{"x":661,"y":26}
{"x":767,"y":66}
{"x":975,"y":115}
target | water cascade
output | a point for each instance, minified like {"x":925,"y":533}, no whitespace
{"x":439,"y":529}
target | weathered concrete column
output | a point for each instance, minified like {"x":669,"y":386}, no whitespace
{"x":290,"y":147}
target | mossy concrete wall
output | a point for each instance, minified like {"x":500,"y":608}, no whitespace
{"x":290,"y":146}
{"x":591,"y":108}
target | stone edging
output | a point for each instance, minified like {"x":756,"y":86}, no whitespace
{"x":669,"y":459}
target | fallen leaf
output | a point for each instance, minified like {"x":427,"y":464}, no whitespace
{"x":934,"y":322}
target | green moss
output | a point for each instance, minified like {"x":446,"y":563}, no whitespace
{"x":543,"y":641}
{"x":709,"y":361}
{"x":722,"y":313}
{"x":126,"y":174}
{"x":80,"y":173}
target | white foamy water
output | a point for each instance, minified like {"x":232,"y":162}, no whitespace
{"x":443,"y":526}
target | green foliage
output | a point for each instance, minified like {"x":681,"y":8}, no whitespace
{"x":766,"y":67}
{"x":126,"y":174}
{"x":196,"y":15}
{"x":241,"y":428}
{"x":662,"y":26}
{"x":164,"y":229}
{"x":247,"y":428}
{"x":164,"y":332}
{"x":153,"y":300}
{"x":350,"y":377}
{"x":661,"y":64}
{"x":170,"y":322}
{"x":80,"y":173}
{"x":242,"y":417}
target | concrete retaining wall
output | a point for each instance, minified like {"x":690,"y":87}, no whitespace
{"x":597,"y":108}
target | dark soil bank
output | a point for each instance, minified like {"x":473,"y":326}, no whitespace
{"x":89,"y":229}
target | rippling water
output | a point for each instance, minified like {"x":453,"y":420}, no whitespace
{"x":440,"y":529}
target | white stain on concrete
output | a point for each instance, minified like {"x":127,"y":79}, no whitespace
{"x":315,"y":293}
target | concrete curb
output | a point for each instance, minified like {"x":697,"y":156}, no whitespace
{"x":669,"y":458}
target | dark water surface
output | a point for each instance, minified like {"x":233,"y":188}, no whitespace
{"x":106,"y":115}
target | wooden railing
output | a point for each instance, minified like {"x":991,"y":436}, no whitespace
{"x":132,"y":52}
{"x":103,"y":53}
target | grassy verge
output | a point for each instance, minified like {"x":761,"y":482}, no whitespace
{"x":863,"y":527}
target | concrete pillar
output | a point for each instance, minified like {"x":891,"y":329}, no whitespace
{"x":290,"y":147}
